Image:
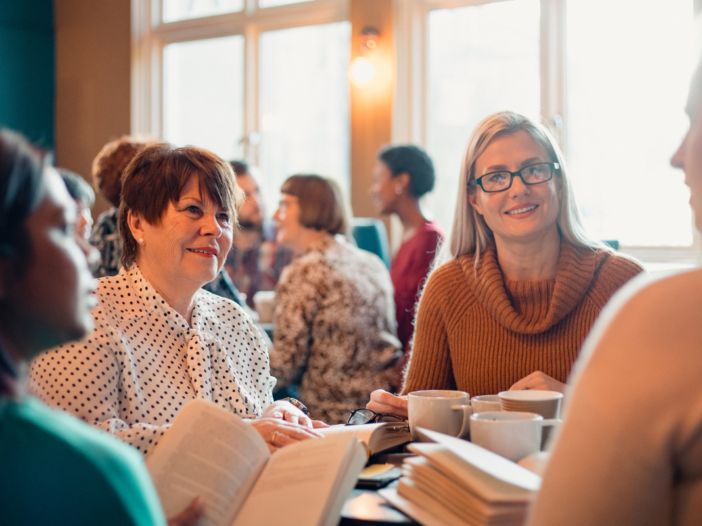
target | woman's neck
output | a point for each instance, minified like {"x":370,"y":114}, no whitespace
{"x":529,"y":261}
{"x":179,"y":295}
{"x":410,"y":214}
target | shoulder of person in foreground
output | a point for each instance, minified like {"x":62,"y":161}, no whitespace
{"x":634,"y":417}
{"x":81,"y":475}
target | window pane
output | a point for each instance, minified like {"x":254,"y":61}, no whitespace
{"x":274,"y":3}
{"x":482,"y":59}
{"x":203,"y":94}
{"x":626,"y":94}
{"x":174,"y":10}
{"x":304,"y":104}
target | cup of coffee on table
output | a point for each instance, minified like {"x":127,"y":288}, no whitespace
{"x":263,"y":301}
{"x":484,"y":403}
{"x":447,"y":412}
{"x":509,"y":434}
{"x":544,"y":403}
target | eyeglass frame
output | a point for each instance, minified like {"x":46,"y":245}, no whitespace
{"x":372,"y":420}
{"x":479,"y":181}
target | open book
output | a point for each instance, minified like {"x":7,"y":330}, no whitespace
{"x":214,"y":454}
{"x":455,"y":482}
{"x":377,"y":437}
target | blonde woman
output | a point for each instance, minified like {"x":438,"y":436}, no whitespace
{"x":518,"y":285}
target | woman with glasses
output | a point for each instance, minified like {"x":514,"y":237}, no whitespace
{"x":518,"y":285}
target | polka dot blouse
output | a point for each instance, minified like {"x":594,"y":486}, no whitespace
{"x":143,"y":363}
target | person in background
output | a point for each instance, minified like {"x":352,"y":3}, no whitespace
{"x":519,"y":284}
{"x":54,"y":468}
{"x":334,"y":314}
{"x":107,"y":169}
{"x":84,"y":197}
{"x":255,"y":261}
{"x":159,"y":340}
{"x":630,"y":449}
{"x":108,"y":166}
{"x":401,"y":176}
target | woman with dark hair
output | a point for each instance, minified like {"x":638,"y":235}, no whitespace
{"x":402,"y":175}
{"x":333,"y":314}
{"x":55,"y":469}
{"x":159,"y":339}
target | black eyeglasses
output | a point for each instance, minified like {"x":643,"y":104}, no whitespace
{"x":366,"y":416}
{"x":530,"y":175}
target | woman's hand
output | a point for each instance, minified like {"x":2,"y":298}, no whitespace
{"x":190,"y":515}
{"x":385,"y":403}
{"x":288,"y":412}
{"x":278,"y":433}
{"x":540,"y":381}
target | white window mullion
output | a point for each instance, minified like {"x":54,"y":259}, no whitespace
{"x":553,"y":67}
{"x":251,"y":96}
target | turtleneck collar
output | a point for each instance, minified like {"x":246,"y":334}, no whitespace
{"x":531,"y":307}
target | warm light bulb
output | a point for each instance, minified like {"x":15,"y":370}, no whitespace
{"x":362,"y":71}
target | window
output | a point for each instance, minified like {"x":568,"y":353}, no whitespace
{"x":304,"y":104}
{"x":260,"y":80}
{"x":203,"y":94}
{"x":481,"y":59}
{"x":626,"y":94}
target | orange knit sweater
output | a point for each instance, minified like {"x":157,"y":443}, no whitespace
{"x":481,"y":335}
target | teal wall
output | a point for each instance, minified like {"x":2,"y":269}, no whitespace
{"x":27,"y":68}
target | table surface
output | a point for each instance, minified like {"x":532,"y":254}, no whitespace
{"x":365,"y":507}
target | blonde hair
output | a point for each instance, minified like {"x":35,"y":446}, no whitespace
{"x":470,"y":233}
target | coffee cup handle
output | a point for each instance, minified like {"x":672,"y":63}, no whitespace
{"x":465,"y":428}
{"x":551,"y":422}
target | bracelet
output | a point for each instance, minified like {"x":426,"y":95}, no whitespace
{"x":294,"y":401}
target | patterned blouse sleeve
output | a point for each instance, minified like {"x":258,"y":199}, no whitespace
{"x":294,"y":312}
{"x":83,"y":379}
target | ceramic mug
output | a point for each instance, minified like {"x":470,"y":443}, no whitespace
{"x":483,"y":403}
{"x":447,"y":412}
{"x":512,"y":435}
{"x":263,"y":301}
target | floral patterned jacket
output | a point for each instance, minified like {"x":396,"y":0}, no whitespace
{"x":335,"y":333}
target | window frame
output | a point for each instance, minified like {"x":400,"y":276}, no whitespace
{"x":150,"y":35}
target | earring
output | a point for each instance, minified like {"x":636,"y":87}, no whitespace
{"x":398,"y":190}
{"x":141,"y":240}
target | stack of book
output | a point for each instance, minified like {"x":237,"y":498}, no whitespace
{"x":454,"y":482}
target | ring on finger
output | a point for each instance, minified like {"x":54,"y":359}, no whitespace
{"x":274,"y":436}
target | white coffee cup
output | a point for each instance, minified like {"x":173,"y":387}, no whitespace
{"x":509,"y":434}
{"x":263,"y":301}
{"x":447,"y":412}
{"x":484,"y":403}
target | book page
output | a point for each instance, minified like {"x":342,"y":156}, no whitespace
{"x":211,"y":453}
{"x":376,"y":437}
{"x":298,"y":484}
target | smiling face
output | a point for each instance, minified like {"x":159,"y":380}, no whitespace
{"x":187,"y":248}
{"x":688,"y":157}
{"x":52,"y":298}
{"x":522,"y":213}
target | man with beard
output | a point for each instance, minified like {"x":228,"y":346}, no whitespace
{"x":255,"y":260}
